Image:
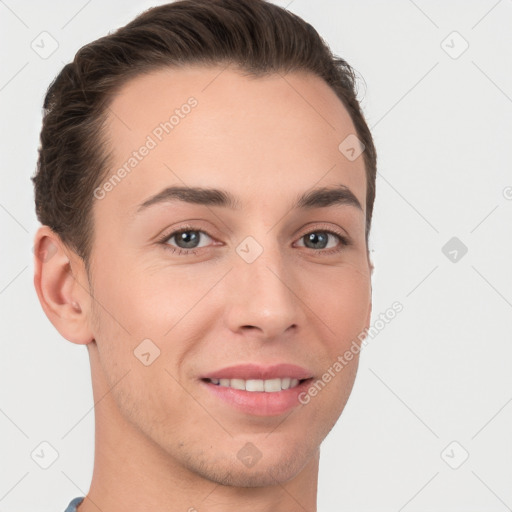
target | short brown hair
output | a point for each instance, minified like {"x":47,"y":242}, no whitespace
{"x":256,"y":36}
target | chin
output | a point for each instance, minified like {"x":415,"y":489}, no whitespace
{"x":272,"y":469}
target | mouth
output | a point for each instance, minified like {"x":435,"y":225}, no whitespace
{"x":258,"y":385}
{"x":258,"y":390}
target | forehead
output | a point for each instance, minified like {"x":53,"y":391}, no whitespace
{"x":213,"y":126}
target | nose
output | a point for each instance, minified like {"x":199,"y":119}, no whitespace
{"x":262,"y":297}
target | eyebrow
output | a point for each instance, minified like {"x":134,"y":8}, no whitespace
{"x":316,"y":198}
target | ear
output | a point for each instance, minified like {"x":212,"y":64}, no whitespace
{"x":62,"y":286}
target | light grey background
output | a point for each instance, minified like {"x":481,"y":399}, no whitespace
{"x":439,"y":372}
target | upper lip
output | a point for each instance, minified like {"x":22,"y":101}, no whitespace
{"x":260,"y":372}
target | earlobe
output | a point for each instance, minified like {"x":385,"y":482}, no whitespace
{"x":61,"y":286}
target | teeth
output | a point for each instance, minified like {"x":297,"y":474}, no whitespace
{"x":255,"y":385}
{"x":268,"y":386}
{"x":272,"y":385}
{"x":236,"y":383}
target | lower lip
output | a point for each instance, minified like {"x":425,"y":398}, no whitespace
{"x":259,"y":403}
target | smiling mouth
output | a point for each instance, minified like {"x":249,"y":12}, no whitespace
{"x":258,"y":385}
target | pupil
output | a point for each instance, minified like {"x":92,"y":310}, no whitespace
{"x":189,"y":240}
{"x":315,"y":238}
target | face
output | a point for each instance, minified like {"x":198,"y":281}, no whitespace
{"x":242,"y":281}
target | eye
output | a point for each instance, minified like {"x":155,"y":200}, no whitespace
{"x":185,"y":240}
{"x":322,"y":239}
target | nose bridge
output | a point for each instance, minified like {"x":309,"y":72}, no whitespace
{"x":261,"y":289}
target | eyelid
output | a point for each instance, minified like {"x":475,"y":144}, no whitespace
{"x":342,"y":235}
{"x":325,"y":226}
{"x":187,"y":227}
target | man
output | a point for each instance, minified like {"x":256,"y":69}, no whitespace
{"x":205,"y":186}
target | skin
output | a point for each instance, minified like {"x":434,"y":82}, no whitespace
{"x":162,"y":441}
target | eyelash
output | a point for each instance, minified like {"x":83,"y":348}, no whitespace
{"x":344,"y":241}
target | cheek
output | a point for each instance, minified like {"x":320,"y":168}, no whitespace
{"x":149,"y":311}
{"x":136,"y":304}
{"x":341,"y":300}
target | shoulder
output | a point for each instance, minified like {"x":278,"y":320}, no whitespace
{"x":74,"y":503}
